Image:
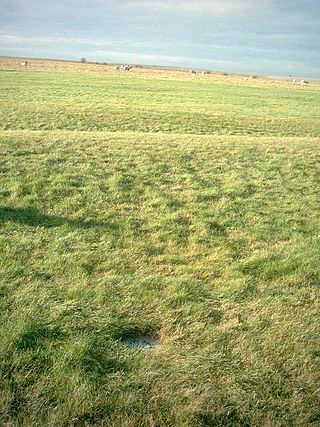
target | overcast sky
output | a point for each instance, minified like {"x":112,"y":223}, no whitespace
{"x":280,"y":37}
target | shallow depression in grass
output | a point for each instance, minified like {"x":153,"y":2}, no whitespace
{"x":142,"y":342}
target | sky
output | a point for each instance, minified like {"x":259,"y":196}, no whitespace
{"x":248,"y":36}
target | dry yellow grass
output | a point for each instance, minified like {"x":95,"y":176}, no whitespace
{"x":10,"y":63}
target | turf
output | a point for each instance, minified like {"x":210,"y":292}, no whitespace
{"x":120,"y":219}
{"x":72,"y":101}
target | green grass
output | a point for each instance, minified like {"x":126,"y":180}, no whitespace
{"x":51,"y":101}
{"x":211,"y":242}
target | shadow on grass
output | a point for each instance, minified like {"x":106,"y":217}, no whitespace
{"x":35,"y":335}
{"x":229,"y":418}
{"x":35,"y":218}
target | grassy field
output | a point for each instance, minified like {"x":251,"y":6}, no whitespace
{"x":183,"y":210}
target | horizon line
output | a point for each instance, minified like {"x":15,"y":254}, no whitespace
{"x":167,"y":67}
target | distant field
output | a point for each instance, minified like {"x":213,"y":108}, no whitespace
{"x":51,"y":101}
{"x":156,"y":72}
{"x":179,"y":208}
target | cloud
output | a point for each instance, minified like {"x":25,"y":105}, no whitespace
{"x":195,"y":61}
{"x":19,"y":39}
{"x":212,"y":7}
{"x":259,"y":36}
{"x":16,"y":40}
{"x":145,"y":57}
{"x":260,"y":65}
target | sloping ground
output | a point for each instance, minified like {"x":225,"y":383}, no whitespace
{"x":211,"y":243}
{"x":52,"y":101}
{"x":193,"y":224}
